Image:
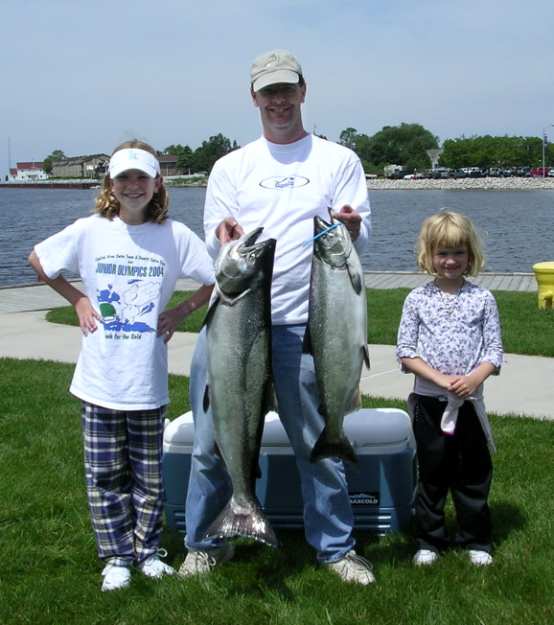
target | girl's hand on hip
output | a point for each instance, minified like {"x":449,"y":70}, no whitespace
{"x":168,"y":322}
{"x":87,"y":315}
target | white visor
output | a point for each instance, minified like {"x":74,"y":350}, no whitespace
{"x":133,"y":158}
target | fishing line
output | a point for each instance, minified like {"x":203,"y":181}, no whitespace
{"x":320,"y":234}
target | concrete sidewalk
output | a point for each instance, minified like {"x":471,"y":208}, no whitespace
{"x":523,"y":388}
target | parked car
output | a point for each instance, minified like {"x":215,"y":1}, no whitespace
{"x":551,"y":172}
{"x":538,"y":171}
{"x":522,"y":171}
{"x":442,"y":172}
{"x":473,"y":172}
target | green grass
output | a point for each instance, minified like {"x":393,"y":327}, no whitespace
{"x":525,"y":328}
{"x":49,"y":573}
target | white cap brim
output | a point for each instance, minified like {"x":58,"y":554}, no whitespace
{"x":276,"y":77}
{"x":134,"y":158}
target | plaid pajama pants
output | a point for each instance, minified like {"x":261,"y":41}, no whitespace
{"x":123,"y":454}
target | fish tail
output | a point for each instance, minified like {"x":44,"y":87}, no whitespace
{"x":242,"y":521}
{"x":326,"y":448}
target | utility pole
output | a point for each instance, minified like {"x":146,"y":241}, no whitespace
{"x":9,"y":155}
{"x":544,"y":144}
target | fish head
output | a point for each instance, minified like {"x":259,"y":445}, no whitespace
{"x":244,"y":263}
{"x":334,"y":246}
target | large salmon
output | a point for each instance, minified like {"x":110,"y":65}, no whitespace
{"x":239,"y":377}
{"x":337,"y":333}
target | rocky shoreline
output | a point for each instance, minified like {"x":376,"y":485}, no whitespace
{"x":463,"y":184}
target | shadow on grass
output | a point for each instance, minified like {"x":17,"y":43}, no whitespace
{"x":257,"y":567}
{"x":506,"y":518}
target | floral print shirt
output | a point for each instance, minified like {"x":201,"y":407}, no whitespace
{"x":453,"y":333}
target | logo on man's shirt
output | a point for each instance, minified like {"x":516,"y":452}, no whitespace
{"x":284,"y":182}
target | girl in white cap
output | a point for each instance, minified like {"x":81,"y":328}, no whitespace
{"x":129,"y":255}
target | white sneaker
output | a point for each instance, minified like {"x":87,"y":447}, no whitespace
{"x":479,"y":557}
{"x":425,"y":557}
{"x":200,"y":562}
{"x":353,"y":568}
{"x":115,"y":577}
{"x":155,"y":568}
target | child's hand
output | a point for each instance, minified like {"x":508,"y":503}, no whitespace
{"x":87,"y":315}
{"x":464,"y":386}
{"x":169,"y":320}
{"x":445,"y":380}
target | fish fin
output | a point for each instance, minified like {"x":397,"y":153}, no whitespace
{"x":242,"y":521}
{"x":365,"y":355}
{"x":341,"y":448}
{"x":206,"y":398}
{"x":354,"y":274}
{"x":211,"y":309}
{"x":356,"y":400}
{"x":269,"y":399}
{"x":307,"y":347}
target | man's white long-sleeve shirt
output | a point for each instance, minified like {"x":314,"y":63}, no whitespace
{"x":282,"y":187}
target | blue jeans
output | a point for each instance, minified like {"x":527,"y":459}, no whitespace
{"x":328,"y":518}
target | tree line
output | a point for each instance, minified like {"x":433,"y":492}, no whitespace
{"x":202,"y":159}
{"x":404,"y":145}
{"x":407,"y":145}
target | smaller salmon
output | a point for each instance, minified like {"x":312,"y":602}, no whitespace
{"x":336,"y":333}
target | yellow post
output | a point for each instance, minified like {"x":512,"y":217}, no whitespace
{"x":544,"y":274}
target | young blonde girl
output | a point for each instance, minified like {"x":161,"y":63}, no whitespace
{"x":449,"y":337}
{"x":129,"y":255}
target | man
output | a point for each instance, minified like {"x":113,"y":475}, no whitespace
{"x":280,"y":181}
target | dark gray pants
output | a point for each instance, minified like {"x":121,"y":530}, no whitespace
{"x":460,"y":463}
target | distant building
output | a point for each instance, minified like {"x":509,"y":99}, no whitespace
{"x":392,"y":171}
{"x":27,"y":171}
{"x":168,"y":165}
{"x":87,"y":166}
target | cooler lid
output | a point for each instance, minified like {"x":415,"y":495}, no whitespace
{"x":180,"y":431}
{"x":367,"y":427}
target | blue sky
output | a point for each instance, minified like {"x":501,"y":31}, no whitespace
{"x":83,"y":77}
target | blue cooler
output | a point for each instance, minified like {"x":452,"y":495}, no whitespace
{"x":381,"y":485}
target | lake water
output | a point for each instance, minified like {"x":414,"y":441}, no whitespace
{"x":517,"y":227}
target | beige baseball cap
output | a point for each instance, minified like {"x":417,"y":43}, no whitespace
{"x":275,"y":66}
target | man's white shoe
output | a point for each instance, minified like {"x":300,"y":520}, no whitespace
{"x":201,"y":562}
{"x":155,"y":568}
{"x":353,"y":568}
{"x":115,"y":577}
{"x":425,"y":557}
{"x":479,"y":557}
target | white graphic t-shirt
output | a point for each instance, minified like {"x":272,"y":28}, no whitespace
{"x":129,"y":273}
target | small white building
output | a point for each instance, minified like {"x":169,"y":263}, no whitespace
{"x":28,"y":172}
{"x":390,"y":171}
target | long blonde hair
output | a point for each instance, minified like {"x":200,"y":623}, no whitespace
{"x":108,"y":206}
{"x":450,"y":230}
